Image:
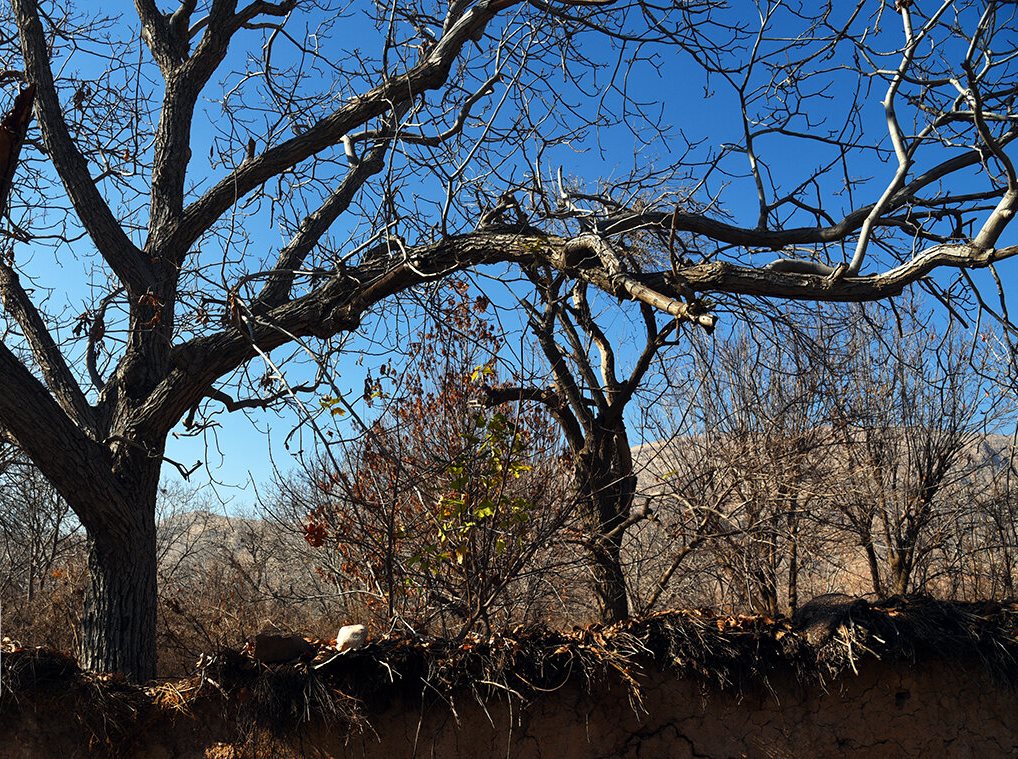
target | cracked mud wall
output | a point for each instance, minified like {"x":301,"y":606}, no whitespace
{"x":888,"y":710}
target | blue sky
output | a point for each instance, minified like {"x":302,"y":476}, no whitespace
{"x":698,"y":111}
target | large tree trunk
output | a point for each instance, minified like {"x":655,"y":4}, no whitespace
{"x":610,"y":580}
{"x":900,"y":565}
{"x":119,"y":627}
{"x":119,"y":624}
{"x":607,"y":473}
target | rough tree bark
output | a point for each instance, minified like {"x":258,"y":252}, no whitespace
{"x":119,"y":628}
{"x":607,"y":485}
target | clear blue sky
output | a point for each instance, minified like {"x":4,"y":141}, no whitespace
{"x":701,"y":112}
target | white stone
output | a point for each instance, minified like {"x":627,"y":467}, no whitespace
{"x":351,"y":637}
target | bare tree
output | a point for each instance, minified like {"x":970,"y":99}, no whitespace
{"x":590,"y":392}
{"x":454,"y":101}
{"x":912,"y":415}
{"x":876,"y":456}
{"x":37,"y":531}
{"x":752,"y":460}
{"x":987,"y":544}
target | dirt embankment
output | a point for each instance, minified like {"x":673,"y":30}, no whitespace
{"x":865,"y":682}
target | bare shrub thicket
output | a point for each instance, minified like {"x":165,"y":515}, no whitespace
{"x":866,"y":458}
{"x":446,"y":514}
{"x":225,"y":578}
{"x":42,"y":555}
{"x":861,"y":452}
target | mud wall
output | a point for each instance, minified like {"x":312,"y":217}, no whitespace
{"x":887,"y":710}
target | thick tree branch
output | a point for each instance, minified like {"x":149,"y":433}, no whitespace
{"x":316,"y":224}
{"x":47,"y":355}
{"x":903,"y":153}
{"x":395,"y":92}
{"x":767,"y":283}
{"x":13,"y":296}
{"x":162,"y":39}
{"x":72,"y":461}
{"x":581,"y":309}
{"x":592,"y":256}
{"x":95,"y":215}
{"x":543,"y":327}
{"x":597,"y":391}
{"x":998,"y":221}
{"x":186,"y":76}
{"x":340,"y":304}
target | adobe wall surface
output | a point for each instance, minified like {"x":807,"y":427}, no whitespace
{"x":887,"y":710}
